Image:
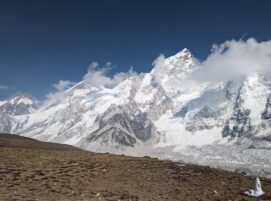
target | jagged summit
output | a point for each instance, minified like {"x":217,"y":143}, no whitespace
{"x":20,"y":96}
{"x":170,"y":72}
{"x":179,"y":65}
{"x":19,"y":103}
{"x":184,"y":54}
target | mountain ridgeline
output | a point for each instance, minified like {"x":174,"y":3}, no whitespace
{"x":155,"y":113}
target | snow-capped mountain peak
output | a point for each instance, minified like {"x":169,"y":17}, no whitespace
{"x":184,"y":54}
{"x":171,"y":72}
{"x":19,"y":104}
{"x":20,"y":97}
{"x":181,"y":63}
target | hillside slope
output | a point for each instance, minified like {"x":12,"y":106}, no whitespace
{"x":33,"y":170}
{"x":20,"y":142}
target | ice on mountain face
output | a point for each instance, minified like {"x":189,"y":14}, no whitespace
{"x":248,"y":108}
{"x":206,"y":111}
{"x":199,"y":120}
{"x":146,"y":91}
{"x":2,"y":103}
{"x":255,"y":92}
{"x":151,"y":98}
{"x":173,"y":132}
{"x":6,"y":123}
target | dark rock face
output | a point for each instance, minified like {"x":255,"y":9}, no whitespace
{"x":267,"y":112}
{"x":123,"y":125}
{"x":205,"y":112}
{"x":182,"y":113}
{"x":113,"y":134}
{"x":239,"y":124}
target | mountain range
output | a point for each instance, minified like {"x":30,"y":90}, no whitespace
{"x":162,"y":113}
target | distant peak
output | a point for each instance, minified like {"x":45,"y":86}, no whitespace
{"x":185,"y":53}
{"x":185,"y":50}
{"x":21,"y":95}
{"x":178,"y":66}
{"x":184,"y":56}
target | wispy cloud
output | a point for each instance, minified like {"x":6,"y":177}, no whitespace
{"x":59,"y":92}
{"x":63,"y":85}
{"x":95,"y":76}
{"x":233,"y":59}
{"x":2,"y":87}
{"x":98,"y":76}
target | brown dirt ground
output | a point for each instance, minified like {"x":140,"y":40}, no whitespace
{"x":32,"y":170}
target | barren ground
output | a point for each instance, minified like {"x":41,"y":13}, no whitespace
{"x":33,"y":170}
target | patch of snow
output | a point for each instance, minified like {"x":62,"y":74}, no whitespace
{"x":173,"y":132}
{"x":2,"y":103}
{"x":257,"y":192}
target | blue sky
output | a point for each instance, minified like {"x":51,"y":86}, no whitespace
{"x":42,"y":42}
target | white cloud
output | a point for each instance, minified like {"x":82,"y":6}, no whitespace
{"x":2,"y":87}
{"x":60,"y":87}
{"x":233,"y":59}
{"x":97,"y":76}
{"x":158,"y":64}
{"x":63,"y":85}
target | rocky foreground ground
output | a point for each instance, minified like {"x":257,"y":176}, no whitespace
{"x":33,"y":170}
